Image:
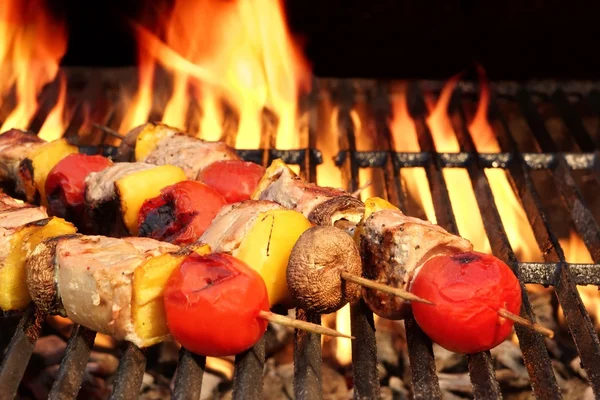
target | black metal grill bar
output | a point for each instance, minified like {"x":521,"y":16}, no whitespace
{"x":248,"y":372}
{"x":573,"y":121}
{"x":188,"y":378}
{"x":72,"y":367}
{"x":19,"y":352}
{"x":577,"y":318}
{"x":535,"y":354}
{"x":130,"y":374}
{"x":484,"y":381}
{"x":364,"y":347}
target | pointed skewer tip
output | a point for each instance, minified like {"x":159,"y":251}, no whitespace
{"x":526,"y":323}
{"x":302,"y":325}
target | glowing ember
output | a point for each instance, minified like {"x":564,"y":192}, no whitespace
{"x":31,"y":46}
{"x":240,"y":52}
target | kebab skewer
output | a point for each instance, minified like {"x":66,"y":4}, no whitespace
{"x":116,"y":193}
{"x":394,"y":249}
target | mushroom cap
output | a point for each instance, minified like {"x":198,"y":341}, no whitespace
{"x":41,"y":282}
{"x":127,"y":147}
{"x":317,"y":260}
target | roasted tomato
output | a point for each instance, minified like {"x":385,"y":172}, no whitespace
{"x":212,"y":305}
{"x":65,"y":185}
{"x":468,"y":290}
{"x":236,"y":180}
{"x":181,"y":213}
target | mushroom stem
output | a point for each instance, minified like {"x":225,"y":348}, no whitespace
{"x":403,"y":294}
{"x":306,"y":326}
{"x":526,"y":323}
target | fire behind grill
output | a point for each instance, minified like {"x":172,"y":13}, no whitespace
{"x":554,"y":271}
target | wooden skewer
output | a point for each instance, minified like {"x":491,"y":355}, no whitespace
{"x":306,"y":326}
{"x":525,"y":322}
{"x":403,"y":294}
{"x":108,"y":130}
{"x":358,"y":191}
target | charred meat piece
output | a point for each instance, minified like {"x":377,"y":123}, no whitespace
{"x":232,"y":224}
{"x":393,"y":247}
{"x":321,"y":205}
{"x":15,"y":146}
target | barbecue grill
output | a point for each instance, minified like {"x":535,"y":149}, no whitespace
{"x":554,"y":271}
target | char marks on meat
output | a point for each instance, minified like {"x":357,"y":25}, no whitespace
{"x":102,"y":268}
{"x":289,"y":190}
{"x":189,"y":153}
{"x":233,"y":222}
{"x":100,"y":186}
{"x":393,"y":247}
{"x":14,"y":214}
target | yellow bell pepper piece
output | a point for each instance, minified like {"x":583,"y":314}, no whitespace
{"x":272,"y":172}
{"x":140,"y":186}
{"x":151,"y":134}
{"x":44,"y":158}
{"x":149,"y":281}
{"x":13,"y":286}
{"x":267,"y":246}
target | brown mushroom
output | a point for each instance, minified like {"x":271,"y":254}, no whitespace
{"x":315,"y":267}
{"x":342,"y":211}
{"x":41,"y":281}
{"x":127,"y":147}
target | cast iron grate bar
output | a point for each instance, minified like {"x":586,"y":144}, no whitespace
{"x":130,"y":374}
{"x":188,"y":377}
{"x":481,"y":369}
{"x":362,"y":325}
{"x":534,"y":351}
{"x":72,"y":367}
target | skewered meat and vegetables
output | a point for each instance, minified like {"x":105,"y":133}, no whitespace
{"x":212,"y":305}
{"x":261,"y":234}
{"x":181,"y":213}
{"x":93,"y":281}
{"x":22,"y":227}
{"x":469,"y":290}
{"x":115,"y":195}
{"x":236,"y":180}
{"x":34,"y":169}
{"x":65,"y":187}
{"x":321,"y":205}
{"x":393,"y":249}
{"x":160,"y":144}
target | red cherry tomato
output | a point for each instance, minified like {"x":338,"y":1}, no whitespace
{"x":65,"y":184}
{"x":181,"y":213}
{"x":236,"y":180}
{"x":468,"y":289}
{"x":212,"y":304}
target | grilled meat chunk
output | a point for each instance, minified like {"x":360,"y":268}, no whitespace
{"x":14,"y":214}
{"x":233,"y":222}
{"x":321,"y":205}
{"x":189,"y":153}
{"x":393,"y":247}
{"x":15,"y":146}
{"x":93,"y":279}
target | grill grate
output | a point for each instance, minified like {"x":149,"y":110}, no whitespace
{"x":554,"y":271}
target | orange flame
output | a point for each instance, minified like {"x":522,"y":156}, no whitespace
{"x":54,"y":125}
{"x":30,"y":51}
{"x":239,"y":51}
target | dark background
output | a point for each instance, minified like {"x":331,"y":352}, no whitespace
{"x":389,"y":39}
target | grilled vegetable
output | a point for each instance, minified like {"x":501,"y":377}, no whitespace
{"x":321,"y":205}
{"x":65,"y":187}
{"x":235,"y":180}
{"x":115,"y":195}
{"x":393,"y":248}
{"x":315,"y":266}
{"x":469,"y":289}
{"x":135,"y":188}
{"x":15,"y":146}
{"x":212,"y":304}
{"x":34,"y":170}
{"x":181,"y":213}
{"x":90,"y":279}
{"x":16,"y":245}
{"x":160,"y":144}
{"x":267,"y":246}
